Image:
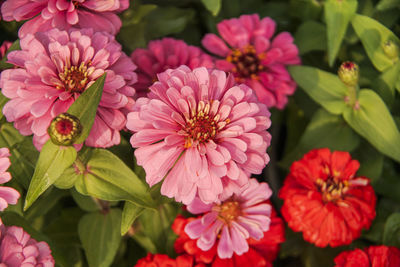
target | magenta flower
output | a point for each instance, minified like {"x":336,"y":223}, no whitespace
{"x":3,"y":48}
{"x":254,"y":58}
{"x":232,"y":220}
{"x":64,"y":14}
{"x":197,"y":127}
{"x":164,"y":54}
{"x":8,"y":195}
{"x":17,"y":249}
{"x":54,"y":68}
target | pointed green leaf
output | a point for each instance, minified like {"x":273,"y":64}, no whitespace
{"x":310,"y":36}
{"x":324,"y":87}
{"x":52,"y":162}
{"x":100,"y":236}
{"x":387,"y":4}
{"x":214,"y":6}
{"x":84,"y":202}
{"x":373,"y":36}
{"x":108,"y":178}
{"x":129,"y":215}
{"x":391,"y":233}
{"x":374,"y":122}
{"x":324,"y":130}
{"x":85,"y":107}
{"x":338,"y":14}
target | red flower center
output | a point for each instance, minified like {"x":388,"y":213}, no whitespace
{"x":75,"y":78}
{"x":64,"y":126}
{"x":247,"y":63}
{"x":229,"y":211}
{"x":348,"y":65}
{"x":332,"y":189}
{"x":201,"y":126}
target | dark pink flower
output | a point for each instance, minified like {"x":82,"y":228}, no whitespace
{"x":197,"y":127}
{"x":54,"y":68}
{"x":231,"y":221}
{"x":167,"y":53}
{"x":8,"y":195}
{"x":18,"y":249}
{"x":64,"y":14}
{"x":255,"y":58}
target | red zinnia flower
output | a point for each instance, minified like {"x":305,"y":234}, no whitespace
{"x":161,"y":260}
{"x":325,"y":200}
{"x":261,"y":252}
{"x":373,"y":256}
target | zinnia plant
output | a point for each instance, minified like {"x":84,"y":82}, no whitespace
{"x":199,"y":133}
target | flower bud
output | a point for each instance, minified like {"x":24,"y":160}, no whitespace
{"x":391,"y":49}
{"x":64,"y":129}
{"x":349,"y":73}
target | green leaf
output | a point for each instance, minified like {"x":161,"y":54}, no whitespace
{"x":337,"y":16}
{"x":324,"y":87}
{"x":68,"y":178}
{"x":100,"y":236}
{"x":310,"y":36}
{"x":84,"y":202}
{"x":388,"y":184}
{"x":391,"y":233}
{"x":374,"y":122}
{"x":23,"y":154}
{"x":108,"y":178}
{"x":324,"y":130}
{"x":52,"y":162}
{"x":214,"y":6}
{"x":386,"y":83}
{"x":85,"y":107}
{"x":44,"y":204}
{"x":129,"y":215}
{"x":387,"y":4}
{"x":373,"y":36}
{"x":164,"y":21}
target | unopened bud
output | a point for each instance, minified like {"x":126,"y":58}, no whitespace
{"x":349,"y":73}
{"x":64,"y":129}
{"x":391,"y":49}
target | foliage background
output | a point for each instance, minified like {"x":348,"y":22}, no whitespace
{"x":83,"y":227}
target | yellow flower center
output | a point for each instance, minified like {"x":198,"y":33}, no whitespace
{"x":229,"y":211}
{"x":332,"y":189}
{"x":75,"y":78}
{"x":247,"y":63}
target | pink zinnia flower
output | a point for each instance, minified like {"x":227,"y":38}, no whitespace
{"x":8,"y":195}
{"x":195,"y":128}
{"x":233,"y":220}
{"x":54,"y":68}
{"x":254,"y":58}
{"x":167,"y":53}
{"x":63,"y":14}
{"x":17,"y":249}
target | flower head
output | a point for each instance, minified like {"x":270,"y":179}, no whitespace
{"x":8,"y":195}
{"x":62,"y":14}
{"x":167,"y":53}
{"x":349,"y":73}
{"x":254,"y":58}
{"x":261,"y":252}
{"x":54,"y":68}
{"x":235,"y":219}
{"x":161,"y":260}
{"x":196,"y":128}
{"x":17,"y":249}
{"x":373,"y":256}
{"x":64,"y":129}
{"x":324,"y":199}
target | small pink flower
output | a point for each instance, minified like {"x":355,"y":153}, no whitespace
{"x":54,"y":68}
{"x":164,"y":54}
{"x":3,"y":48}
{"x":17,"y":249}
{"x":197,"y":127}
{"x":232,"y":221}
{"x":64,"y":14}
{"x":254,"y":58}
{"x":8,"y":195}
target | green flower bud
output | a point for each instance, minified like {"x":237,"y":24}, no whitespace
{"x":391,"y":49}
{"x":64,"y":129}
{"x":349,"y":73}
